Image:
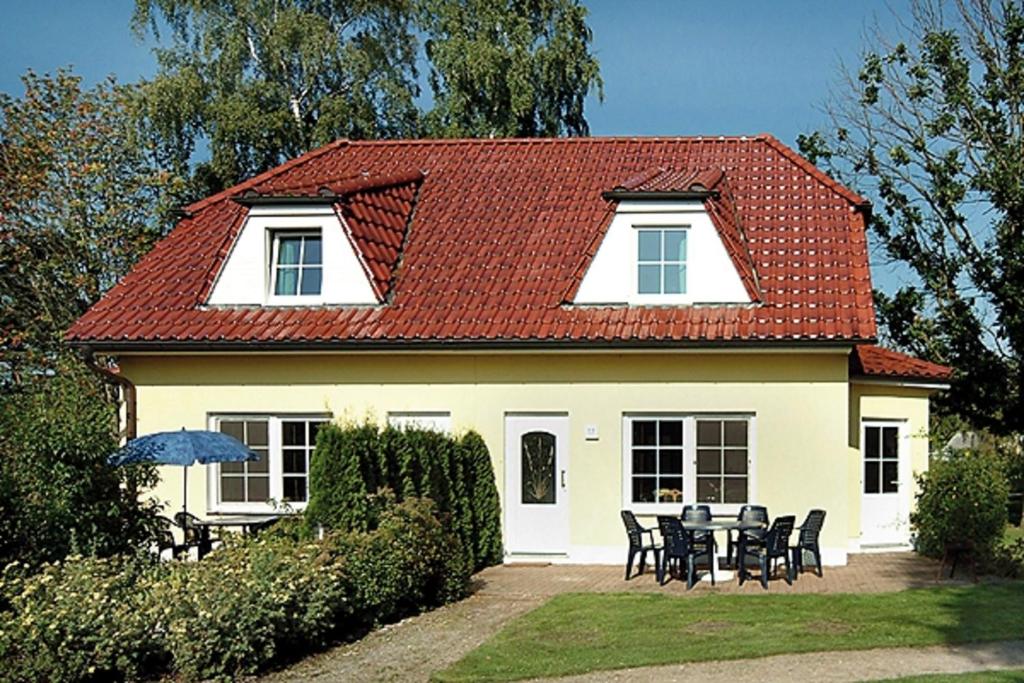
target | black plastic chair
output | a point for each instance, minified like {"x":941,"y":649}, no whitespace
{"x":679,"y":549}
{"x":195,"y":534}
{"x":807,"y":542}
{"x":635,"y":532}
{"x":166,"y":541}
{"x":768,"y":552}
{"x":699,"y":514}
{"x":751,"y":514}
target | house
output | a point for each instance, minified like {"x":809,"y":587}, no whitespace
{"x":628,"y":322}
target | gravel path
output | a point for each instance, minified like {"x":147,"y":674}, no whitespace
{"x":413,"y":649}
{"x":830,"y":667}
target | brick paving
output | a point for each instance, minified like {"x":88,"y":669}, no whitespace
{"x":865,"y":573}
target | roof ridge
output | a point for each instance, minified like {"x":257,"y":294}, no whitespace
{"x":805,"y":165}
{"x":266,"y":175}
{"x":555,"y":140}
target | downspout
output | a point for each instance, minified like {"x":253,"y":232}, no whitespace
{"x":131,"y":426}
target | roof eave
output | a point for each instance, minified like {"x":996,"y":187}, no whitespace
{"x":683,"y":195}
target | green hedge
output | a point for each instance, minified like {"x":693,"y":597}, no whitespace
{"x":353,"y":463}
{"x":255,"y":603}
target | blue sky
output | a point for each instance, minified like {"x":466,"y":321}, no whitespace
{"x":669,"y":67}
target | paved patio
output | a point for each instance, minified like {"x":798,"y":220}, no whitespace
{"x":866,"y":573}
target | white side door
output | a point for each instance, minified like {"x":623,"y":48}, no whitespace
{"x":536,"y":484}
{"x":885,"y":485}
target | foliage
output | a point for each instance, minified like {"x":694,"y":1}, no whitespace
{"x":261,"y":81}
{"x":931,"y":129}
{"x":357,"y":467}
{"x":80,"y":201}
{"x":59,"y":493}
{"x":254,"y":603}
{"x":593,"y":632}
{"x":961,"y":499}
{"x":508,"y":68}
{"x":1008,"y":558}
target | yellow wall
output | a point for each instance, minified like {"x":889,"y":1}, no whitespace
{"x":801,"y":402}
{"x":886,"y":402}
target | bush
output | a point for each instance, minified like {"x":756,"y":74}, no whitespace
{"x":961,"y":499}
{"x":57,"y":493}
{"x":253,"y":603}
{"x":352,"y":464}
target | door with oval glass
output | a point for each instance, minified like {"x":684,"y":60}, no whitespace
{"x":536,"y":484}
{"x":885,"y":507}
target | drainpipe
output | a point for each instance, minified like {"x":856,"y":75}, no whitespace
{"x":130,"y":427}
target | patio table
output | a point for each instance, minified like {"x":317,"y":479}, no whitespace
{"x":721,"y":524}
{"x":246,"y":522}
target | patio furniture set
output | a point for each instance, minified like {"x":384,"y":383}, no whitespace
{"x":198,"y":533}
{"x":688,"y":541}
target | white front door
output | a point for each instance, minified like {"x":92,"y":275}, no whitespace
{"x":885,"y":486}
{"x":536,"y":478}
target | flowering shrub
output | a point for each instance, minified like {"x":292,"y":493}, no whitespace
{"x":255,"y":602}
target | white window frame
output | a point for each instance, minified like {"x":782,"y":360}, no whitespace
{"x":276,"y":462}
{"x":275,"y":235}
{"x":689,"y":462}
{"x":438,"y":421}
{"x":661,"y":262}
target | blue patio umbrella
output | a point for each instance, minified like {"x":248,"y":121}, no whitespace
{"x":185,"y":448}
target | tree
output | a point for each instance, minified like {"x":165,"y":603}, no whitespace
{"x":257,"y":82}
{"x":261,"y":81}
{"x":81,"y":198}
{"x":501,"y":68}
{"x":932,"y":128}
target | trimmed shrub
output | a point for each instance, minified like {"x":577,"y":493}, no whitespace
{"x":254,"y":603}
{"x":961,"y":499}
{"x":352,"y":464}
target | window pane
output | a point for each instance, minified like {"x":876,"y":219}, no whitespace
{"x":293,"y":433}
{"x":709,"y":462}
{"x":674,"y":279}
{"x":262,"y":465}
{"x":709,"y":433}
{"x":314,"y":429}
{"x":232,"y":489}
{"x":643,"y":489}
{"x":288,"y":250}
{"x":233,"y":428}
{"x":287,"y":282}
{"x":311,"y":252}
{"x":675,"y":245}
{"x":294,"y":461}
{"x":670,"y":433}
{"x":890,"y":476}
{"x":736,"y":433}
{"x":294,"y":489}
{"x":649,"y":248}
{"x":871,"y":477}
{"x":256,"y":433}
{"x":871,"y":439}
{"x":259,"y":489}
{"x":890,"y":442}
{"x":644,"y":433}
{"x":538,"y":468}
{"x":709,"y":490}
{"x":649,"y":280}
{"x":232,"y":468}
{"x":643,"y":461}
{"x":736,"y":490}
{"x":671,"y":490}
{"x":736,"y":462}
{"x":670,"y":461}
{"x":311,"y":279}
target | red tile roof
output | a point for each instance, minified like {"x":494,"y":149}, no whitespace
{"x":501,"y":231}
{"x":874,"y":361}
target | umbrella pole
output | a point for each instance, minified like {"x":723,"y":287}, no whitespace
{"x":184,"y":493}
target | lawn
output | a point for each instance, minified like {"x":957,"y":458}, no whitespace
{"x":1008,"y":676}
{"x":577,"y":633}
{"x":1013,"y":533}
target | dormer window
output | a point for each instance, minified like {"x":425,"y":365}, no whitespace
{"x":298,"y":263}
{"x":661,"y":260}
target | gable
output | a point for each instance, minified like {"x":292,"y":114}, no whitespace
{"x":500,"y":238}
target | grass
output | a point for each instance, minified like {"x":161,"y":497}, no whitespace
{"x":1013,"y":533}
{"x":1008,"y":676}
{"x":578,"y":633}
